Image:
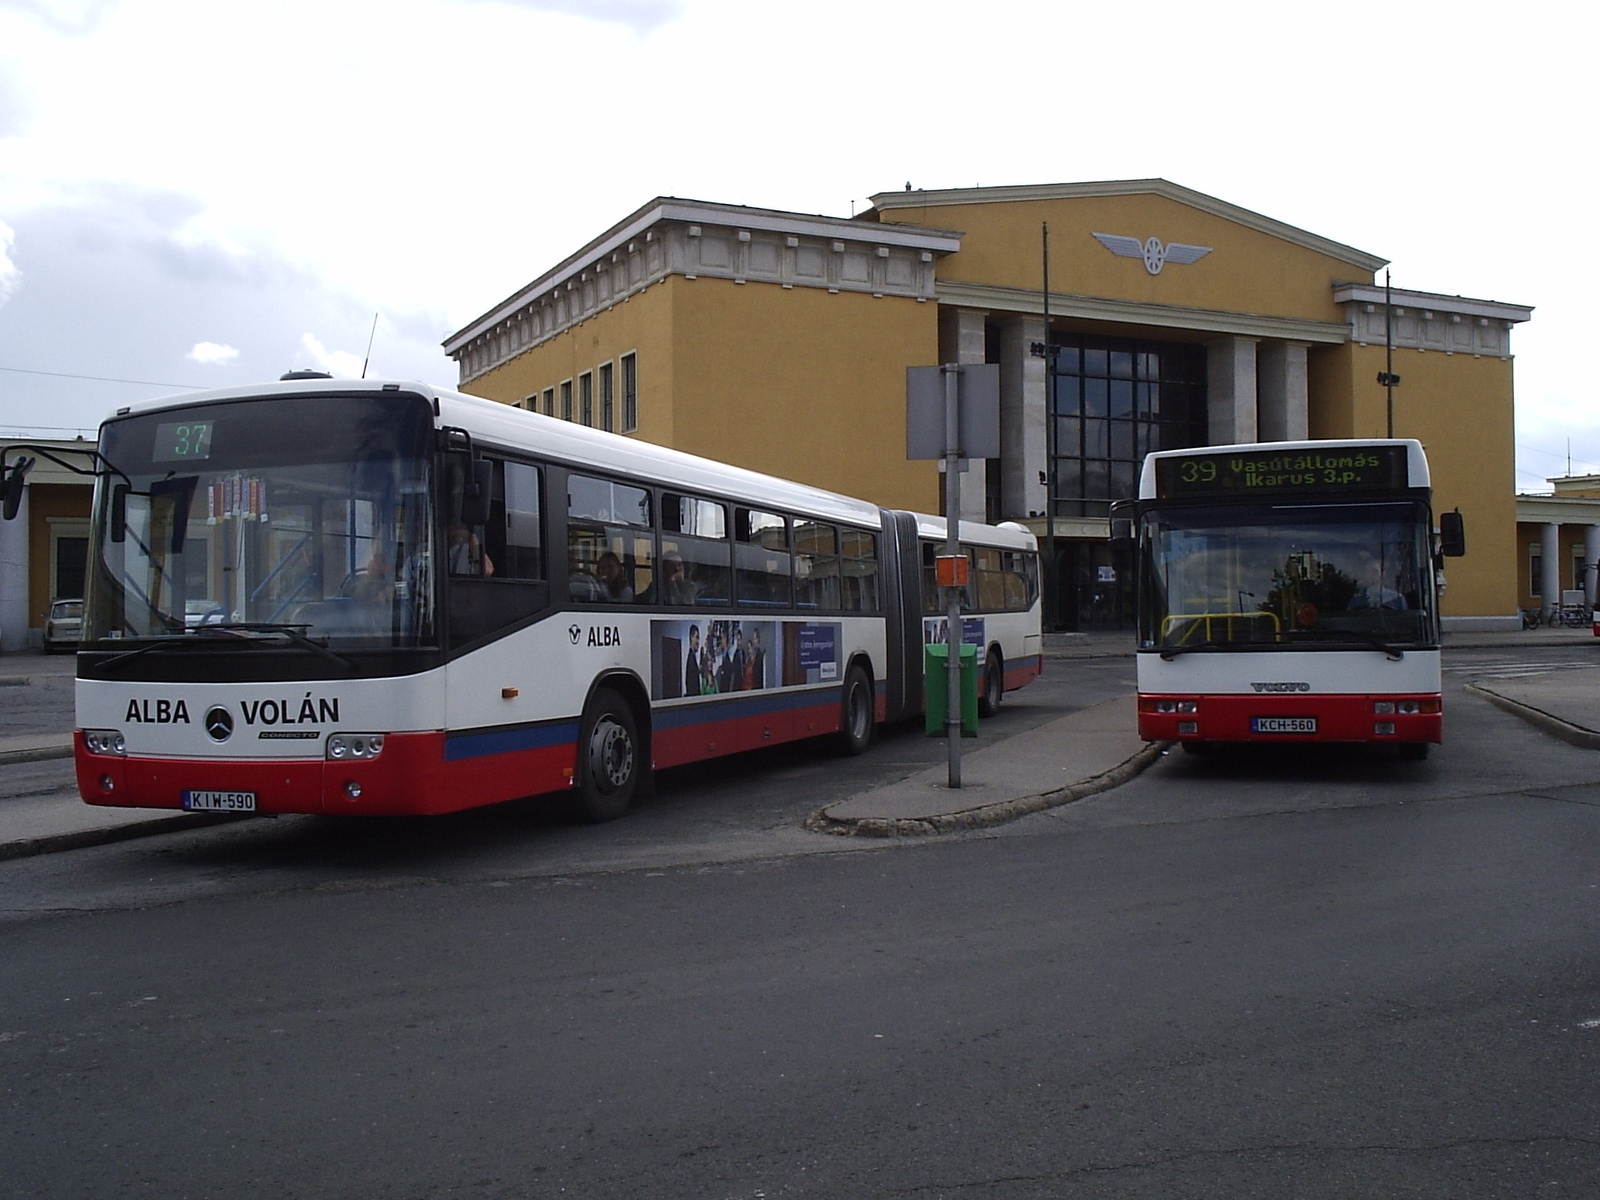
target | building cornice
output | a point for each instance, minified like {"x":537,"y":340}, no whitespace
{"x":992,"y":298}
{"x":668,"y":210}
{"x":888,"y":201}
{"x":1430,"y":321}
{"x":1465,"y":306}
{"x":1559,"y":510}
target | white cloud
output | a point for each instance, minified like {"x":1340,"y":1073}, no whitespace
{"x":65,"y":16}
{"x":212,"y":352}
{"x":10,"y":273}
{"x":339,"y":363}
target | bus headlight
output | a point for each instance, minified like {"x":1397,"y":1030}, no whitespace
{"x":342,"y":746}
{"x":105,"y":741}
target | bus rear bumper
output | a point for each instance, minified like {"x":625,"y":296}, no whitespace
{"x":1410,"y":717}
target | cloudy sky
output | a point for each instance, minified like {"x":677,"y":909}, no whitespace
{"x":197,"y":193}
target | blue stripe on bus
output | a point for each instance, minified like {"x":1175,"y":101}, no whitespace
{"x":509,"y":739}
{"x":512,"y":738}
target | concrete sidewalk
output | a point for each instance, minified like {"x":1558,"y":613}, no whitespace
{"x":1077,"y":755}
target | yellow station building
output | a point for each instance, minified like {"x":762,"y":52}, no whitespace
{"x":780,"y":341}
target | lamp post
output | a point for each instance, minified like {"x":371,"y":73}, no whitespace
{"x":1052,"y":608}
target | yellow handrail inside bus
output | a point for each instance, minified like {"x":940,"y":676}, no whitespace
{"x":1204,"y":621}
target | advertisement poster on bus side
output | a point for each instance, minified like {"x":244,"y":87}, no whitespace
{"x":933,"y":631}
{"x":716,"y":657}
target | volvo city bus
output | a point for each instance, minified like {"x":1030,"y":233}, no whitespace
{"x":1288,"y":592}
{"x":381,"y":598}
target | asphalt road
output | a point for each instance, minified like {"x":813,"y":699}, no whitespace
{"x":1301,"y":974}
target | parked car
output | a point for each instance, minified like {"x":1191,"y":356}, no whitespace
{"x":63,"y":626}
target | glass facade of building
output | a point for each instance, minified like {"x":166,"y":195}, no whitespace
{"x":1114,"y":402}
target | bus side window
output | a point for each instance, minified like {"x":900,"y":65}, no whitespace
{"x":762,"y":568}
{"x":496,"y":570}
{"x":694,"y":551}
{"x":816,"y":567}
{"x":521,"y":537}
{"x":858,"y":570}
{"x":610,"y":546}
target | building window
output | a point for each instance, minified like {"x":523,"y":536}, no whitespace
{"x":630,"y":393}
{"x":1535,"y":571}
{"x":531,"y":403}
{"x":586,"y":398}
{"x":1115,"y":401}
{"x":605,"y":397}
{"x":549,"y":402}
{"x":566,"y":399}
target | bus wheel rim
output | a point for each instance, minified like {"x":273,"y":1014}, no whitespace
{"x":610,"y":754}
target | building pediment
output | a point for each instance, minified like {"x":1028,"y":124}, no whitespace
{"x":1146,"y":241}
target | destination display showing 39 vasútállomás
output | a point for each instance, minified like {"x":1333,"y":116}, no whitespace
{"x":1368,"y":469}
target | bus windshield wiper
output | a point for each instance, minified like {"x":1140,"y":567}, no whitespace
{"x":1352,"y":635}
{"x":243,"y":631}
{"x":296,"y":634}
{"x":1168,"y":653}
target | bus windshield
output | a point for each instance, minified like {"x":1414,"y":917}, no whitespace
{"x":306,"y":516}
{"x":1331,"y":575}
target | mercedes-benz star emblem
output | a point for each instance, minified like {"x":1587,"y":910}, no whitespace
{"x":219,"y":723}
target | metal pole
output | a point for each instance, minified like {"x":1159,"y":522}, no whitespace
{"x":1388,"y":345}
{"x":952,"y":547}
{"x":1053,"y":593}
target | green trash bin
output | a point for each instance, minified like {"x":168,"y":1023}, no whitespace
{"x":935,"y":685}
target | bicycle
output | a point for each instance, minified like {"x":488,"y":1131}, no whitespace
{"x":1532,"y":618}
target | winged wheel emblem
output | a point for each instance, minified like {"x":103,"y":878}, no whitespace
{"x":1155,"y":255}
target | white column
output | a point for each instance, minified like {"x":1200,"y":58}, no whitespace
{"x":1231,"y":390}
{"x":961,"y":340}
{"x":1550,"y":566}
{"x":1022,"y":446}
{"x":1282,"y":405}
{"x":1591,"y":556}
{"x":14,"y":579}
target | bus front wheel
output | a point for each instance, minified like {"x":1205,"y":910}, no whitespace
{"x":608,"y":759}
{"x":855,"y":718}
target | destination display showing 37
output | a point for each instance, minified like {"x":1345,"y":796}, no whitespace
{"x":1336,"y":469}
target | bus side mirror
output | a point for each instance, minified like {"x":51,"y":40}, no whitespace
{"x":118,"y":515}
{"x":475,"y":493}
{"x":1122,"y":514}
{"x":1452,"y":534}
{"x":15,"y":479}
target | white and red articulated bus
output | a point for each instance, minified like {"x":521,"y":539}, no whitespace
{"x":359,"y":597}
{"x":1288,"y":592}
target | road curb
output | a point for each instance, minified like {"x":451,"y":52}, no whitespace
{"x":987,"y":814}
{"x":1575,"y":735}
{"x":78,"y":839}
{"x":34,"y":754}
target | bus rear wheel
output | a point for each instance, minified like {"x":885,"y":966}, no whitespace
{"x":608,"y":759}
{"x":855,"y":718}
{"x":994,"y":686}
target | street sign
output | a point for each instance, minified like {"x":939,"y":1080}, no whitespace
{"x":978,"y":402}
